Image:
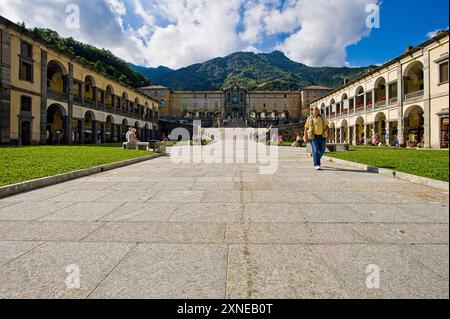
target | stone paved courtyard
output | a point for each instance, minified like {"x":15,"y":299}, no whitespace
{"x":160,"y":230}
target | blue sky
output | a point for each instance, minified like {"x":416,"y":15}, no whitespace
{"x":403,"y":23}
{"x":178,"y":33}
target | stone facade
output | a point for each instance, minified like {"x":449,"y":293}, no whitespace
{"x":214,"y":108}
{"x":49,"y":97}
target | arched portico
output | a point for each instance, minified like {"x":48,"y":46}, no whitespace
{"x":413,"y":131}
{"x":57,"y":126}
{"x":56,"y":80}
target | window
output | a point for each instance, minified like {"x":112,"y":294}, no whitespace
{"x":26,"y":62}
{"x":443,"y":72}
{"x":25,"y":104}
{"x":26,"y":50}
{"x":26,"y":71}
{"x":315,"y":93}
{"x":307,"y":94}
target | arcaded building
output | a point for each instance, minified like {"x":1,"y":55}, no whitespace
{"x":404,"y":100}
{"x":49,"y":97}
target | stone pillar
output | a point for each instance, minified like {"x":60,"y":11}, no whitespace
{"x":43,"y":139}
{"x":113,"y":131}
{"x":366,"y":134}
{"x":427,"y":99}
{"x":354,"y":104}
{"x":70,"y":101}
{"x":102,"y":129}
{"x":355,"y":134}
{"x":365,"y":101}
{"x":400,"y":94}
{"x":81,"y":132}
{"x":67,"y":130}
{"x":388,"y":131}
{"x":349,"y":134}
{"x":94,"y":131}
{"x":5,"y":87}
{"x":94,"y":94}
{"x":373,"y":99}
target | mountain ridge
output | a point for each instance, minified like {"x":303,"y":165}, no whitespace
{"x":252,"y":71}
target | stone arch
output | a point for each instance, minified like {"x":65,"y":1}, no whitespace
{"x":109,"y":93}
{"x":57,"y":129}
{"x":359,"y":97}
{"x":56,"y":79}
{"x":414,"y":78}
{"x":380,"y":90}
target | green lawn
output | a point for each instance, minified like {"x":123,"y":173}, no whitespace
{"x":19,"y":164}
{"x":426,"y":163}
{"x":289,"y":144}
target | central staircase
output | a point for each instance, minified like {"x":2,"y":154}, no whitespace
{"x":235,"y":123}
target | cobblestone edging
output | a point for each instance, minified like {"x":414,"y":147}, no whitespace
{"x":53,"y":180}
{"x":441,"y":185}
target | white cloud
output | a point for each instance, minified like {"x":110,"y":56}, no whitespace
{"x":327,"y":28}
{"x":432,"y":34}
{"x":177,"y":33}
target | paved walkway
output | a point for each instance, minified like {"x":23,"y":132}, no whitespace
{"x":160,"y":230}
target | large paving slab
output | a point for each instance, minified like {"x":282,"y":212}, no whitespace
{"x":159,"y":229}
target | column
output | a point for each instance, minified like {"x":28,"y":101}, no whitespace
{"x":354,"y":104}
{"x":94,"y":90}
{"x":373,"y":99}
{"x":70,"y":102}
{"x":426,"y":104}
{"x":80,"y":132}
{"x":400,"y":95}
{"x":102,"y":129}
{"x":355,"y":134}
{"x":335,"y":135}
{"x":366,"y":134}
{"x":67,"y":130}
{"x":113,"y":131}
{"x":43,"y":118}
{"x":94,"y":131}
{"x":388,"y":96}
{"x":388,"y":131}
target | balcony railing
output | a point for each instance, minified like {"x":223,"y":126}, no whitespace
{"x":381,"y":103}
{"x":88,"y":101}
{"x":394,"y":100}
{"x":413,"y":95}
{"x":56,"y":94}
{"x":77,"y":99}
{"x":359,"y":109}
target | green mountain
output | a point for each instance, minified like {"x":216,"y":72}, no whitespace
{"x":264,"y":71}
{"x":102,"y":60}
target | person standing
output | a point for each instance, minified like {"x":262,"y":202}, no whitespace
{"x":316,"y":132}
{"x":127,"y":136}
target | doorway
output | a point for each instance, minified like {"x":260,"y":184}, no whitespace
{"x":25,"y":133}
